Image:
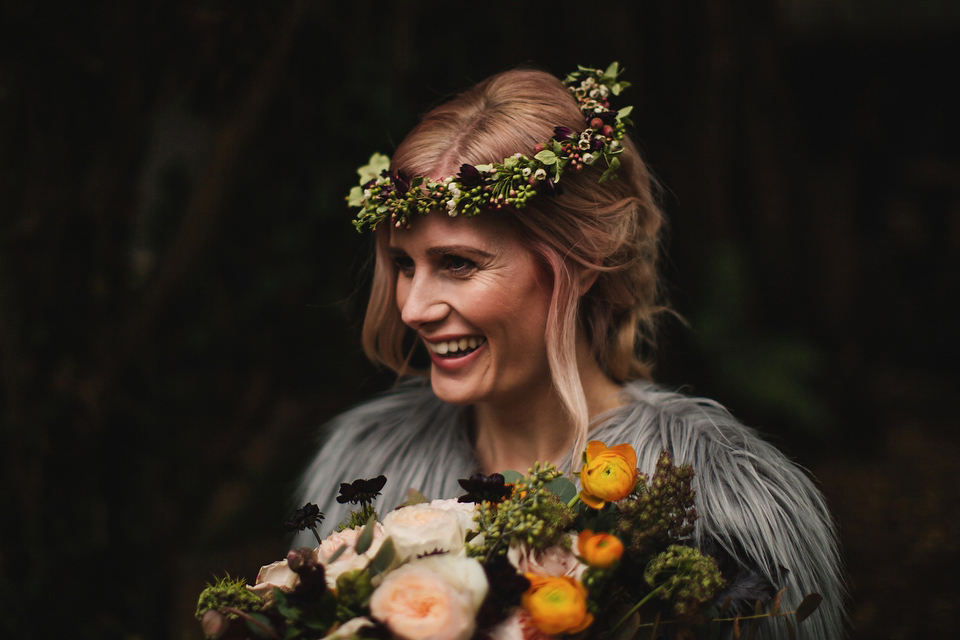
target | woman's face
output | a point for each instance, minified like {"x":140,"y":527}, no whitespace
{"x":479,"y":303}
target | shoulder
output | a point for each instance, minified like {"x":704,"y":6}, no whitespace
{"x":406,"y":434}
{"x":759,"y":506}
{"x":386,"y":413}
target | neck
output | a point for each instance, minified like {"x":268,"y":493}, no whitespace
{"x":535,"y":426}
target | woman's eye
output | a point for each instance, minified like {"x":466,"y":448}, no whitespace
{"x":458,"y":265}
{"x":404,"y":265}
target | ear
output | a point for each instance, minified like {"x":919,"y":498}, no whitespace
{"x":587,"y":278}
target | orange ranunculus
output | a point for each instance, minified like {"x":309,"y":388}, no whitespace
{"x":557,"y":604}
{"x":601,"y":550}
{"x":608,"y":474}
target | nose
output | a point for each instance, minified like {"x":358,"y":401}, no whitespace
{"x":420,"y":301}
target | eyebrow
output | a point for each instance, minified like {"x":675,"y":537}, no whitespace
{"x":443,"y":250}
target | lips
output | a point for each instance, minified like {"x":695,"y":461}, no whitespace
{"x":455,"y":348}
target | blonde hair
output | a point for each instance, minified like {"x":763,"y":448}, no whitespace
{"x":610,"y":229}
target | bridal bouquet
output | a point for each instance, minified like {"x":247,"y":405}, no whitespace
{"x":516,"y":557}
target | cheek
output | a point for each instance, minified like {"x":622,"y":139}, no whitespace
{"x":401,"y":293}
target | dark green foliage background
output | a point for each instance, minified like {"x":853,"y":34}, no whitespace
{"x":181,"y":290}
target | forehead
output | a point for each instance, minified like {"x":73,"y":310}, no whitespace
{"x":486,"y":231}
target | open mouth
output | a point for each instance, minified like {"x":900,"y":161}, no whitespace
{"x":456,"y":348}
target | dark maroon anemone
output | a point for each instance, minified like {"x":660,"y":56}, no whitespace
{"x":608,"y":117}
{"x":500,"y":601}
{"x":550,"y":187}
{"x":361,"y":491}
{"x":306,"y":517}
{"x":401,"y":182}
{"x":469,"y":176}
{"x":483,"y":488}
{"x":561,"y":133}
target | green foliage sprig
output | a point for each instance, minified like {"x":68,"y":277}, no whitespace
{"x":512,"y":182}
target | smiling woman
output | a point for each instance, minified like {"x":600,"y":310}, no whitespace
{"x":517,"y":242}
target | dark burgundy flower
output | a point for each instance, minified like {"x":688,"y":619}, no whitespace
{"x":469,"y":176}
{"x":306,"y":517}
{"x":361,"y":491}
{"x":608,"y":117}
{"x":550,"y":187}
{"x":561,"y":133}
{"x":500,"y":601}
{"x":401,"y":182}
{"x":483,"y":488}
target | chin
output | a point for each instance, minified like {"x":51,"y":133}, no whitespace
{"x":455,"y":392}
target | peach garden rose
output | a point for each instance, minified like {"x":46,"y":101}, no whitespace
{"x":433,"y":598}
{"x":348,"y":560}
{"x":608,"y":474}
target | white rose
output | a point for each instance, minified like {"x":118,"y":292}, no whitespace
{"x":348,"y":560}
{"x":553,"y":561}
{"x":465,"y":513}
{"x":422,"y":528}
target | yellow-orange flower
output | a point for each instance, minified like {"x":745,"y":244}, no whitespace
{"x":608,"y":474}
{"x":601,"y":550}
{"x":557,"y":604}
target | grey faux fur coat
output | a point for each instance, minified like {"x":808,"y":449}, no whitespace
{"x":756,"y":508}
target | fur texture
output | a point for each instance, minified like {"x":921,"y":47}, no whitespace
{"x":760,"y":508}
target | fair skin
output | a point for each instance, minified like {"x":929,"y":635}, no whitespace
{"x":479,"y":302}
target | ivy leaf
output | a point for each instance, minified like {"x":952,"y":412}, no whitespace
{"x":512,"y":477}
{"x":547,"y":157}
{"x":563,"y":488}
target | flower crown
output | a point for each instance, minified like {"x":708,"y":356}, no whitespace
{"x":514,"y":181}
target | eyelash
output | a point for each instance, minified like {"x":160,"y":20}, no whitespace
{"x":455,"y":265}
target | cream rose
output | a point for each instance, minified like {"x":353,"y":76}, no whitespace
{"x":275,"y":575}
{"x":422,"y":528}
{"x":553,"y":561}
{"x":434,"y":598}
{"x":348,"y":560}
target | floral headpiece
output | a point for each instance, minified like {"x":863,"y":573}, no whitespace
{"x":514,"y":181}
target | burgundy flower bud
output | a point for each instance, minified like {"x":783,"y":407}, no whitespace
{"x":563,"y":133}
{"x":469,"y":176}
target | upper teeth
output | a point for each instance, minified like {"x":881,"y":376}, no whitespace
{"x":453,"y":346}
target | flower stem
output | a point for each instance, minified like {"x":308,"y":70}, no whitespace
{"x":256,"y":625}
{"x":637,"y":606}
{"x":316,"y":534}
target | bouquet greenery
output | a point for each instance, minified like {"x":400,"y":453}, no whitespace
{"x":516,"y":557}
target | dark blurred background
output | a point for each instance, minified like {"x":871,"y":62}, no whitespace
{"x":181,"y":288}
